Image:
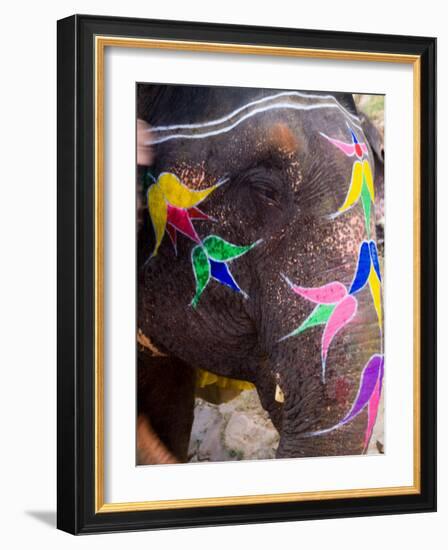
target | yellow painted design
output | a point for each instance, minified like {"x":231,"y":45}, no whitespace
{"x":355,"y":187}
{"x":178,"y":194}
{"x":369,"y":179}
{"x":158,"y":212}
{"x":205,"y":378}
{"x":168,"y":189}
{"x":375,"y":289}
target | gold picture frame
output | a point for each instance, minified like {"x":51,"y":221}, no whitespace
{"x":98,"y":34}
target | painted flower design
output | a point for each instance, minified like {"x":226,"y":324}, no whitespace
{"x":368,"y":272}
{"x":355,"y":148}
{"x":336,"y":305}
{"x":361,"y":182}
{"x":368,"y":396}
{"x":210,"y":261}
{"x":172,"y":208}
{"x":335,"y":308}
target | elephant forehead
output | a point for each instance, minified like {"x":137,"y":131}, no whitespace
{"x":292,"y":139}
{"x":192,"y":173}
{"x":200,"y":161}
{"x":196,"y":113}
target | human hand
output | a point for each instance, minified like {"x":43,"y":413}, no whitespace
{"x":145,"y":154}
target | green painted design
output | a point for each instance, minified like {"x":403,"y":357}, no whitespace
{"x":222,"y":251}
{"x":366,"y":204}
{"x":147,"y":180}
{"x":201,"y":269}
{"x":319,"y":316}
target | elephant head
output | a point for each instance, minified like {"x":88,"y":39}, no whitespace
{"x":258,"y":259}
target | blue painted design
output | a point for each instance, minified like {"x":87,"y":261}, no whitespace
{"x":363,"y":268}
{"x":221,"y":273}
{"x":374,"y":256}
{"x":355,"y":139}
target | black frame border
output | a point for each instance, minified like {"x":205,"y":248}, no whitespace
{"x":76,"y":262}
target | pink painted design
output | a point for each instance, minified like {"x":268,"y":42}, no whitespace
{"x":347,"y":148}
{"x":179,"y":218}
{"x":196,"y":214}
{"x":330,"y":293}
{"x":372,"y":411}
{"x":342,"y":314}
{"x":172,"y":235}
{"x":356,"y":148}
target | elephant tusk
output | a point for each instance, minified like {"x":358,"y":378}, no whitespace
{"x":279,"y":395}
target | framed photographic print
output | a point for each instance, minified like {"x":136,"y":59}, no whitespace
{"x":246,"y":274}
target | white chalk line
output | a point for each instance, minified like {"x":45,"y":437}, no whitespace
{"x":160,"y":129}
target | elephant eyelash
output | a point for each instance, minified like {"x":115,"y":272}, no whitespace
{"x":264,"y":185}
{"x":266,"y":191}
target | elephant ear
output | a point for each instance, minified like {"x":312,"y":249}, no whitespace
{"x":347,"y":101}
{"x":374,"y":137}
{"x":222,"y":251}
{"x":375,"y":140}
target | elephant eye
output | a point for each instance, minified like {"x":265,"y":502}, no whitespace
{"x":266,"y":191}
{"x":263,"y":185}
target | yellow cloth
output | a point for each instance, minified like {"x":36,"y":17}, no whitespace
{"x":205,"y":378}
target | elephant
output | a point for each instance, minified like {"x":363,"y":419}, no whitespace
{"x":257,"y":261}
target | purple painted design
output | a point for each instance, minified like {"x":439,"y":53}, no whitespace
{"x":371,"y":374}
{"x":369,"y":394}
